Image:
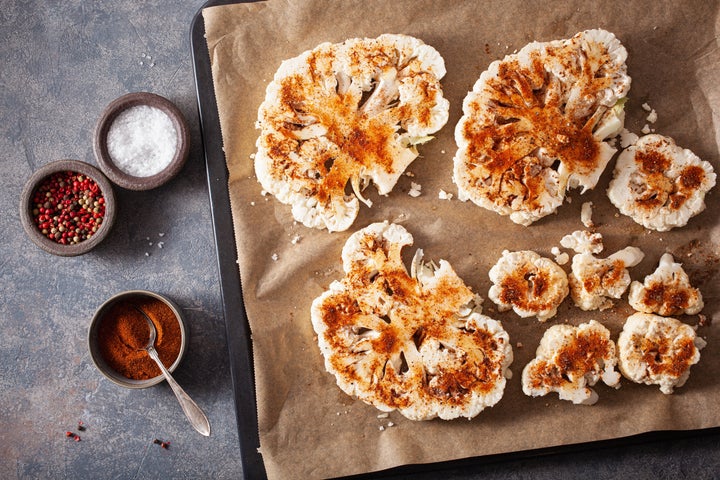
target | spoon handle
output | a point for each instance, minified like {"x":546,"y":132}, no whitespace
{"x":196,"y":416}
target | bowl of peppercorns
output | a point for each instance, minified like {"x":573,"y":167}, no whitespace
{"x":67,"y":207}
{"x":119,"y":334}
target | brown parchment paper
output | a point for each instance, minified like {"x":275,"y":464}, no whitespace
{"x":308,"y":427}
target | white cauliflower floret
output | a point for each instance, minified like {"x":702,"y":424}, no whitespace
{"x":656,"y":350}
{"x":539,"y":122}
{"x":583,"y":241}
{"x":417,"y":342}
{"x":570,"y":360}
{"x":667,"y":291}
{"x":659,"y":184}
{"x":347,"y":114}
{"x":594,"y":281}
{"x":528,"y":283}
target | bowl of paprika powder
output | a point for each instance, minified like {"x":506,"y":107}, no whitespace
{"x":119,"y":333}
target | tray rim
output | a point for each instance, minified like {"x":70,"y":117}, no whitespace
{"x":238,"y":336}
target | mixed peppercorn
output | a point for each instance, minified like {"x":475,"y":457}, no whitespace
{"x":68,"y":207}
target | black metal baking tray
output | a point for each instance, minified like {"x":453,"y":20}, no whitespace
{"x":239,"y":340}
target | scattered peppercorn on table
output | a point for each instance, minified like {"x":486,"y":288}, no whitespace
{"x":62,"y":65}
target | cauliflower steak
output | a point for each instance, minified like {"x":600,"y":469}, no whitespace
{"x":667,"y":291}
{"x":344,"y":115}
{"x":659,"y":184}
{"x":657,"y":350}
{"x":528,"y":283}
{"x":570,"y":360}
{"x":413,"y":342}
{"x":536,"y":124}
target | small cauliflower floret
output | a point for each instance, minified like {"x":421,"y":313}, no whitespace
{"x":594,"y":281}
{"x":570,"y":360}
{"x":656,"y":350}
{"x":540,"y":122}
{"x":582,"y":241}
{"x":416,"y":342}
{"x":667,"y":291}
{"x":347,"y":115}
{"x":660,"y":185}
{"x":528,"y":283}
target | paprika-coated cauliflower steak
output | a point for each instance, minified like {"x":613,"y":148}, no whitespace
{"x":528,"y":283}
{"x":667,"y":291}
{"x":570,"y":360}
{"x":413,"y":342}
{"x":657,"y":350}
{"x":659,"y":184}
{"x":347,"y":113}
{"x":536,"y":124}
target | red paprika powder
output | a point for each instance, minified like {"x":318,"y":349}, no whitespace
{"x":124,"y":333}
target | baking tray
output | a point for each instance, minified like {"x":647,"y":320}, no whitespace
{"x":239,"y":342}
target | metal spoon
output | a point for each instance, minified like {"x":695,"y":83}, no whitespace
{"x":196,"y":416}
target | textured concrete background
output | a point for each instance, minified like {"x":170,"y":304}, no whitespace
{"x":61,"y":63}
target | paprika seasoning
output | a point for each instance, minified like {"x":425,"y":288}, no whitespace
{"x":123,"y":335}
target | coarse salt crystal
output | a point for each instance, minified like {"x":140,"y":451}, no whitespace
{"x":142,"y":141}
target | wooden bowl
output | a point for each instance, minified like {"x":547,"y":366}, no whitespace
{"x":121,"y":177}
{"x":27,"y":216}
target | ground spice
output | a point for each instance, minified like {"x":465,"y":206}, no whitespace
{"x":124,"y":333}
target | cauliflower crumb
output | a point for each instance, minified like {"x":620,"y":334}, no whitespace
{"x":646,"y":129}
{"x":409,"y":174}
{"x":415,"y":189}
{"x":296,"y":239}
{"x":586,"y":215}
{"x":383,"y":415}
{"x":562,"y":258}
{"x":275,"y":257}
{"x":646,"y":107}
{"x":652,"y":116}
{"x":443,"y":195}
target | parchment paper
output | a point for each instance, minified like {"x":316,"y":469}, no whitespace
{"x":308,"y":427}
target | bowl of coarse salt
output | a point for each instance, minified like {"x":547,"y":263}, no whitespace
{"x":141,"y":141}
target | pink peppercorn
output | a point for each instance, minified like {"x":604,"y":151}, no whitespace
{"x":68,"y":207}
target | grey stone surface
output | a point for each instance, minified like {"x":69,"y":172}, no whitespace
{"x":60,"y":64}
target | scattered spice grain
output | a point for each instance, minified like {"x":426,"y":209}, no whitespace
{"x":123,"y":335}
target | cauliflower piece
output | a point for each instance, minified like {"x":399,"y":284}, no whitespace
{"x":659,"y":184}
{"x":570,"y":360}
{"x":667,"y":291}
{"x":528,"y":283}
{"x":417,"y":342}
{"x":594,"y":281}
{"x":586,"y":212}
{"x":582,"y":241}
{"x":539,"y":122}
{"x":347,"y":113}
{"x":657,"y":350}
